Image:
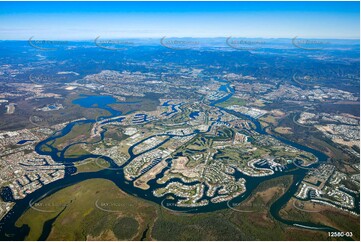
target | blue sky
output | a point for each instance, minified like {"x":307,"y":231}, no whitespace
{"x":87,"y":20}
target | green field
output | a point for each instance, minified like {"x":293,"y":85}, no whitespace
{"x":75,"y":151}
{"x":79,"y":132}
{"x":132,"y":218}
{"x":232,"y":101}
{"x":83,"y":220}
{"x":91,"y":165}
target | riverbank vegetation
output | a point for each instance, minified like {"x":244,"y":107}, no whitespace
{"x":98,"y":209}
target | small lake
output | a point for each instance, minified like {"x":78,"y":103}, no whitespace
{"x":98,"y":102}
{"x":21,"y":142}
{"x":94,"y":101}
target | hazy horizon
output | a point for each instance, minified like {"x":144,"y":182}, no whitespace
{"x":173,"y":37}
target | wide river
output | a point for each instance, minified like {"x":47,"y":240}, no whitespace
{"x":8,"y":230}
